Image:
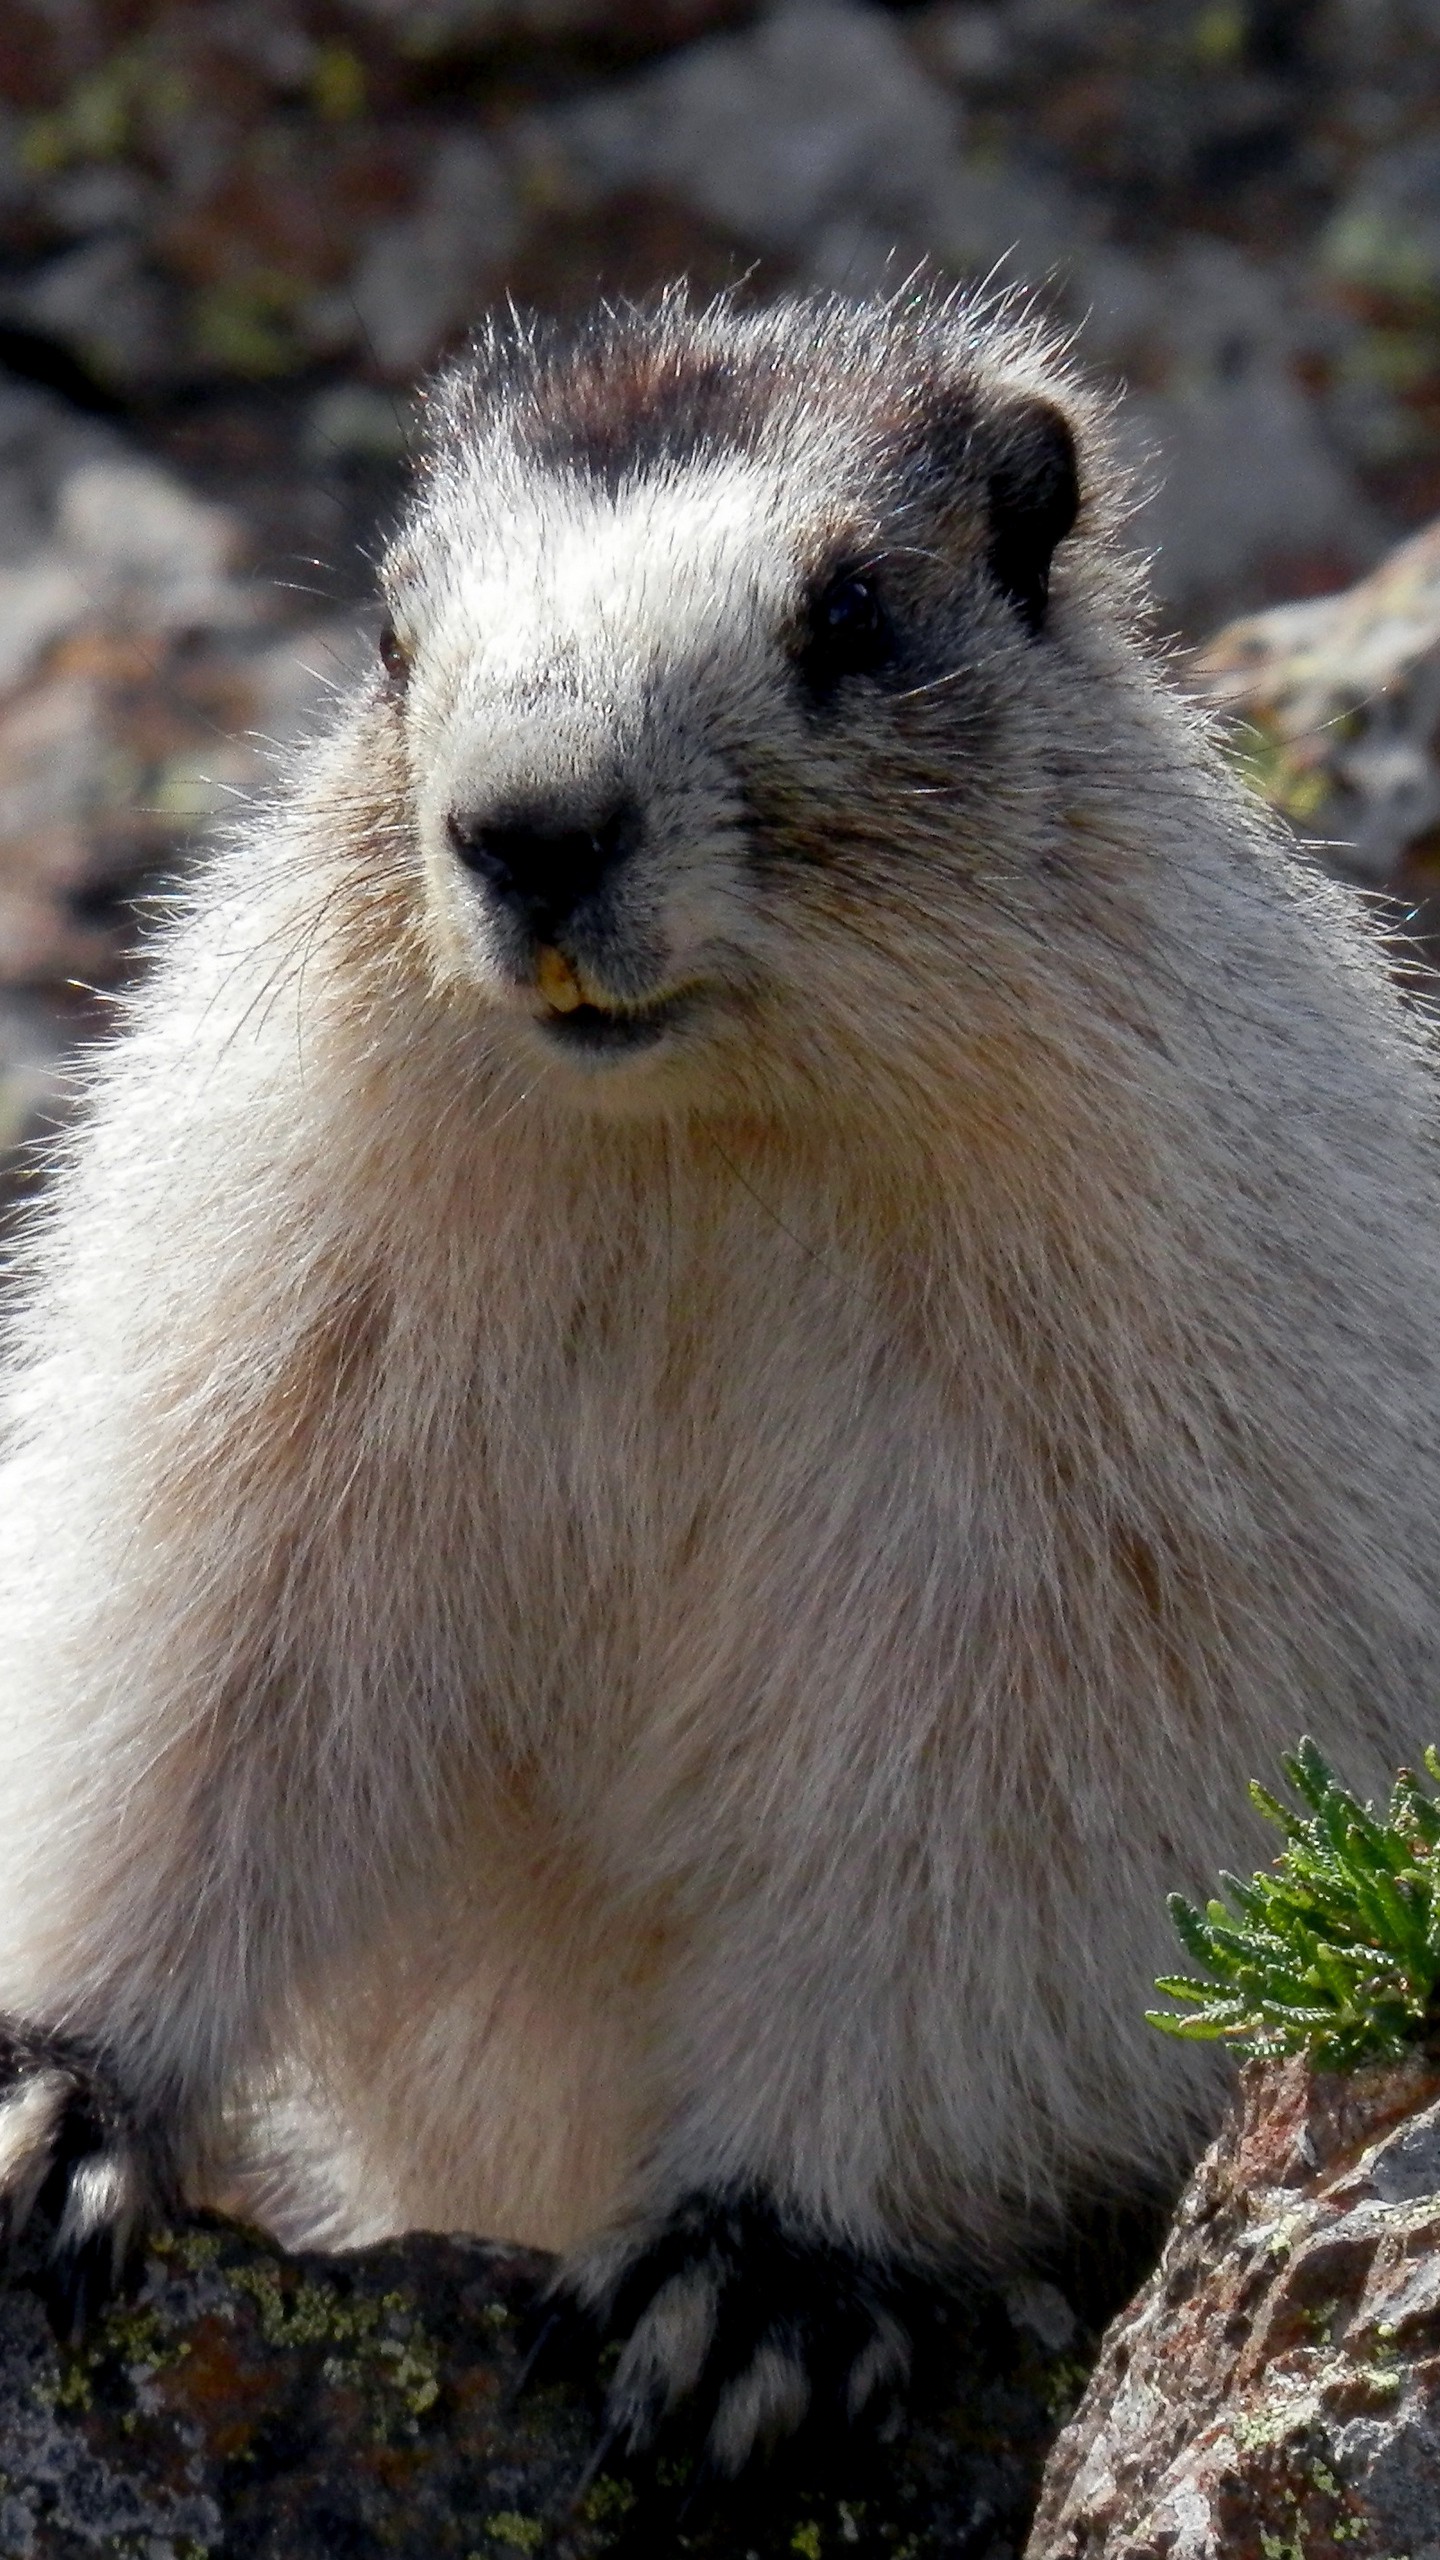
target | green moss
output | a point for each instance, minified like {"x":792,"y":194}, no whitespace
{"x":132,"y":2335}
{"x":246,"y":323}
{"x":517,"y":2533}
{"x":1276,"y":2546}
{"x":1260,"y":2430}
{"x":337,"y":83}
{"x":1282,"y":2239}
{"x":306,"y":2317}
{"x":1062,"y":2384}
{"x":111,"y":112}
{"x":1217,"y":35}
{"x":414,"y":2371}
{"x":136,"y":2333}
{"x":1285,"y":775}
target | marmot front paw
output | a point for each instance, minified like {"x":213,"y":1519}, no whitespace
{"x":72,"y":2145}
{"x":740,"y":2324}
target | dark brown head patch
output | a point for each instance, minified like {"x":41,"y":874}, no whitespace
{"x":932,"y":403}
{"x":613,"y":411}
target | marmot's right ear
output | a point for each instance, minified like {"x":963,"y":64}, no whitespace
{"x":1034,"y":492}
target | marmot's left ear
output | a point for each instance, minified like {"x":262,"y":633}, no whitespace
{"x":1034,"y":492}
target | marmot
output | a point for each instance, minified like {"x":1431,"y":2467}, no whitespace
{"x":753,"y":1302}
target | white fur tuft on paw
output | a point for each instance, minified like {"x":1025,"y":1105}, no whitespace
{"x":767,"y":2401}
{"x":29,"y":2122}
{"x":883,"y":2364}
{"x":104,"y":2195}
{"x":664,"y":2356}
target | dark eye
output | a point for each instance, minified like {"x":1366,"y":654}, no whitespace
{"x":847,"y":633}
{"x":394,"y":656}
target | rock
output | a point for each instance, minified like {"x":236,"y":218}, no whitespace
{"x":1243,"y":478}
{"x":114,"y":755}
{"x":101,"y":299}
{"x":295,"y":2408}
{"x":42,"y":440}
{"x":150,"y":551}
{"x":145,"y":681}
{"x":423,"y":279}
{"x":1341,"y":697}
{"x":820,"y":113}
{"x":38,"y":1032}
{"x":434,"y":26}
{"x":1233,"y":205}
{"x":1385,"y":236}
{"x":1273,"y":2393}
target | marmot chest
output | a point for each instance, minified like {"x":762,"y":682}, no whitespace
{"x":681,"y":1487}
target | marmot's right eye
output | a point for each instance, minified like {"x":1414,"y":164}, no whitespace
{"x":394,"y":656}
{"x":847,"y":632}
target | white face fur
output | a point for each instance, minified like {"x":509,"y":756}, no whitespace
{"x":581,"y":657}
{"x":656,"y":710}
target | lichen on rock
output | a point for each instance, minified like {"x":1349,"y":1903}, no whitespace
{"x":1273,"y":2393}
{"x":242,"y":2401}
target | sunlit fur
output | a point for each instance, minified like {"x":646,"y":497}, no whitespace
{"x":582,"y":1630}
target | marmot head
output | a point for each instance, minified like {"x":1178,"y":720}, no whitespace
{"x":734,"y":656}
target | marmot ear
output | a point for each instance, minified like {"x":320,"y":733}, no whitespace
{"x":1034,"y":493}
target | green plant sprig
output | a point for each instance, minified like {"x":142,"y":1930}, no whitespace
{"x":1335,"y":1951}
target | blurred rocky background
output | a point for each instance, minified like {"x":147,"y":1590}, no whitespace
{"x":233,"y":232}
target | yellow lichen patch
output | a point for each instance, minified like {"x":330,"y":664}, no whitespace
{"x":516,"y":2533}
{"x":194,"y":2249}
{"x":74,"y":2391}
{"x":375,"y":2346}
{"x":607,"y":2501}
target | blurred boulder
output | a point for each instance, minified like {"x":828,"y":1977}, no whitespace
{"x":1381,"y":248}
{"x":147,"y":684}
{"x":102,"y":299}
{"x":1339,"y":698}
{"x":422,"y":279}
{"x":819,"y":115}
{"x":1238,"y":474}
{"x":430,"y":27}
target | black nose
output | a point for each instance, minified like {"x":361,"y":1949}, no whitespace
{"x":542,"y":862}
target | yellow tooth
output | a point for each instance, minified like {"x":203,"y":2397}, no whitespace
{"x":558,"y":983}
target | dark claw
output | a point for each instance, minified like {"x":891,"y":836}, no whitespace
{"x":75,"y":2154}
{"x":738,"y":2329}
{"x":77,"y":2283}
{"x":607,"y":2446}
{"x":559,"y":2344}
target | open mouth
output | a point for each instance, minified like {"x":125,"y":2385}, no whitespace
{"x":594,"y":1031}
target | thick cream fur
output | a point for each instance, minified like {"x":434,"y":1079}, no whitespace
{"x":586,"y":1632}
